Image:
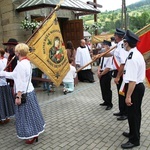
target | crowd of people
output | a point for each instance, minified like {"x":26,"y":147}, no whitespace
{"x":124,"y":63}
{"x":128,"y":70}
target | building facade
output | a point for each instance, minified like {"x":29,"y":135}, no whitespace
{"x":13,"y":12}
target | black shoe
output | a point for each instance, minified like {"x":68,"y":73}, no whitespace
{"x":103,"y":104}
{"x":122,"y":118}
{"x":92,"y":81}
{"x":126,"y":134}
{"x":117,"y":114}
{"x":128,"y":145}
{"x":108,"y":107}
{"x":65,"y":92}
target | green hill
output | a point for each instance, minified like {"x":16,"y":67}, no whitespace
{"x":138,"y":16}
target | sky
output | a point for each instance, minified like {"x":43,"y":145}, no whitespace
{"x":112,"y":4}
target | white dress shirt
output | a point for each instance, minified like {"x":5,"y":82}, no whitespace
{"x":135,"y":67}
{"x":120,"y":55}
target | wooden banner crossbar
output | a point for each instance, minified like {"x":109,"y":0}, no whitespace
{"x":96,"y":57}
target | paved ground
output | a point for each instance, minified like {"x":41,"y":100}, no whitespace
{"x":76,"y":122}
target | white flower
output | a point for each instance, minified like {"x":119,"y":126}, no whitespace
{"x":29,"y":25}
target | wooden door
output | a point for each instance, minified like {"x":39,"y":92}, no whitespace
{"x":72,"y":30}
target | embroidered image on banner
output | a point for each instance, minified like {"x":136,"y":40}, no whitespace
{"x":48,"y":51}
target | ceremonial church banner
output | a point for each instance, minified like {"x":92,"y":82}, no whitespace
{"x":144,"y":47}
{"x":101,"y":38}
{"x":48,"y":52}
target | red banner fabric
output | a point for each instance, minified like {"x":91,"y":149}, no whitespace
{"x":144,"y":47}
{"x":144,"y":43}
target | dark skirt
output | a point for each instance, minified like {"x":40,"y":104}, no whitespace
{"x":7,"y":107}
{"x":86,"y":76}
{"x":29,"y":119}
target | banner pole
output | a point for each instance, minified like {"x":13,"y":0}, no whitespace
{"x":55,"y":9}
{"x":96,"y":57}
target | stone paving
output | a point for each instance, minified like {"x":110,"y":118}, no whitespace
{"x":76,"y":122}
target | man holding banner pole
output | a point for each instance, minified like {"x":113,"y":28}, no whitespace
{"x":119,"y":57}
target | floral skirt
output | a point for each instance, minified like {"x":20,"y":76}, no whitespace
{"x":7,"y":106}
{"x":29,"y":119}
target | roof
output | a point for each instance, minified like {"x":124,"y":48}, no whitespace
{"x":77,"y":6}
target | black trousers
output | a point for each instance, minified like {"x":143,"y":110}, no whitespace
{"x":121,"y":99}
{"x":134,"y":113}
{"x":105,"y":85}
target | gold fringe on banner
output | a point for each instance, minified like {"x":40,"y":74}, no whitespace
{"x":143,"y":30}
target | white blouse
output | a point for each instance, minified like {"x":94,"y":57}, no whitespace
{"x":21,"y":75}
{"x":3,"y":63}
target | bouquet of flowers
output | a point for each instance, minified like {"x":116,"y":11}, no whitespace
{"x":29,"y":25}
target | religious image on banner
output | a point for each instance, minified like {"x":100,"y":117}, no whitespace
{"x":56,"y":53}
{"x":48,"y":52}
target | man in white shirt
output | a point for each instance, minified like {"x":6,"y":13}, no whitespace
{"x":104,"y":76}
{"x":112,"y":41}
{"x":134,"y":75}
{"x":81,"y":59}
{"x":119,"y":58}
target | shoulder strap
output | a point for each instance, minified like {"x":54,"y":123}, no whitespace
{"x":29,"y":79}
{"x":116,"y":62}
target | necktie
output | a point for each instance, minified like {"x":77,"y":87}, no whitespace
{"x":102,"y":63}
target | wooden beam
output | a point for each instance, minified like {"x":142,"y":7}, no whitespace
{"x":94,"y":4}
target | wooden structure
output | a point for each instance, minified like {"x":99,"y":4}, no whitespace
{"x":13,"y":12}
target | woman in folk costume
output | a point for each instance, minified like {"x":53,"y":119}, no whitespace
{"x":71,"y":53}
{"x":6,"y":96}
{"x":29,"y":119}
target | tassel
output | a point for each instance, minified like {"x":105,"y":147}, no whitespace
{"x":122,"y":89}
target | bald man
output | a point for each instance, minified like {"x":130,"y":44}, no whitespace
{"x":82,"y":58}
